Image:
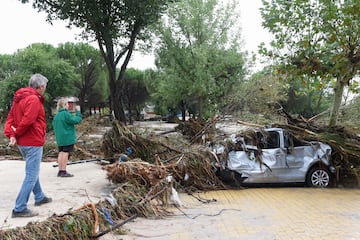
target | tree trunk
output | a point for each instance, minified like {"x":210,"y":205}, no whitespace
{"x":201,"y":107}
{"x":338,"y":92}
{"x":116,"y":84}
{"x":116,"y":105}
{"x":82,"y":100}
{"x":319,"y":101}
{"x":129,"y":113}
{"x":182,"y":107}
{"x":119,"y":109}
{"x":112,"y":85}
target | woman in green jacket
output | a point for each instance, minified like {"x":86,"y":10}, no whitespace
{"x":65,"y":133}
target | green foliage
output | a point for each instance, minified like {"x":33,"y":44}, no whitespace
{"x":349,"y":115}
{"x":100,"y":91}
{"x":306,"y":100}
{"x":6,"y":66}
{"x":152,"y":80}
{"x":317,"y":40}
{"x":37,"y":58}
{"x":42,"y":58}
{"x":136,"y":93}
{"x":261,"y":94}
{"x":118,"y":17}
{"x":198,"y":55}
{"x":116,"y":26}
{"x":88,"y":64}
{"x":8,"y":87}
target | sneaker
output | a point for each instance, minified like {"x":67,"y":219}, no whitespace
{"x":65,"y":174}
{"x":43,"y":201}
{"x":26,"y":213}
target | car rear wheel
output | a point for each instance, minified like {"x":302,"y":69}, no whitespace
{"x":319,"y":177}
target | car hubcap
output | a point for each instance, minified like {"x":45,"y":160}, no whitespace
{"x":320,"y":178}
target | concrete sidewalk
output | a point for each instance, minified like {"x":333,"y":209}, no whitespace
{"x":88,"y":184}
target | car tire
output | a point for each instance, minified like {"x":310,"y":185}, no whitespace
{"x":319,"y":177}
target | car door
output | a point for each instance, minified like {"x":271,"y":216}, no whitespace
{"x":283,"y":165}
{"x":296,"y":159}
{"x":261,"y":166}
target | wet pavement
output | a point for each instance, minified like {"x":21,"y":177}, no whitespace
{"x":256,"y":213}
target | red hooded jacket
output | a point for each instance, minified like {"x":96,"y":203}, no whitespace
{"x":27,"y":115}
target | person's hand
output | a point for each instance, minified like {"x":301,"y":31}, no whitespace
{"x":77,"y":108}
{"x":12,"y":141}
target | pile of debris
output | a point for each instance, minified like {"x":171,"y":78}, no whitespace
{"x":155,"y":165}
{"x":94,"y":220}
{"x":189,"y":164}
{"x":345,"y":144}
{"x":145,"y":185}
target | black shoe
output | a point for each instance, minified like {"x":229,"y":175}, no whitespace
{"x":25,"y":213}
{"x":43,"y":201}
{"x":65,"y":174}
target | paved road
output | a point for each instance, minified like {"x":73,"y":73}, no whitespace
{"x":257,"y":213}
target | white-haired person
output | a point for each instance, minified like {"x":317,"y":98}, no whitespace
{"x":25,"y":126}
{"x":65,"y":133}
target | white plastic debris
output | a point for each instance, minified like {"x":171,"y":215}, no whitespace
{"x":186,"y":177}
{"x":174,"y":198}
{"x":111,"y":199}
{"x":169,"y":178}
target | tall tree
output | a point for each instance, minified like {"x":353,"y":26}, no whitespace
{"x":260,"y":94}
{"x":306,"y":99}
{"x":199,"y":54}
{"x":37,"y":58}
{"x":42,"y":58}
{"x":87,"y":62}
{"x":136,"y":93}
{"x":317,"y":39}
{"x":115,"y":25}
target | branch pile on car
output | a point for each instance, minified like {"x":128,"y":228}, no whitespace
{"x":345,"y":144}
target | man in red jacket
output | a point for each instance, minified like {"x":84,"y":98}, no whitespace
{"x":26,"y":127}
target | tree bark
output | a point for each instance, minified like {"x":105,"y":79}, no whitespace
{"x":118,"y":104}
{"x":338,"y":92}
{"x":201,"y":107}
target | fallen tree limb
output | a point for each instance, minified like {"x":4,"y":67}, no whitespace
{"x":117,"y":225}
{"x":101,"y":160}
{"x":249,"y":124}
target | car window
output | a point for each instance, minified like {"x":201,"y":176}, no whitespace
{"x":269,"y":140}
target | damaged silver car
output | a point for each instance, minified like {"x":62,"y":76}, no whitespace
{"x":274,"y":156}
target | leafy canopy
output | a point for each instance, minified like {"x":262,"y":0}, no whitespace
{"x":199,"y":55}
{"x":317,"y":40}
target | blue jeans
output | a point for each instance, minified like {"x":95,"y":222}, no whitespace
{"x":32,"y":156}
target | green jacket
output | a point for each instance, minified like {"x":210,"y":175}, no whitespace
{"x":64,"y":127}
